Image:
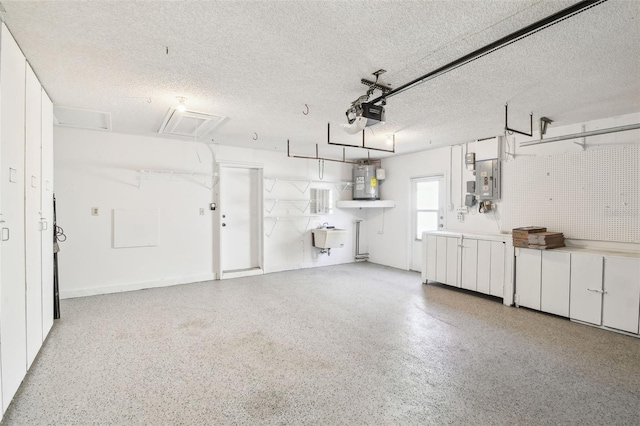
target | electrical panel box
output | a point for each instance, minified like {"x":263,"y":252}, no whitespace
{"x":471,"y":186}
{"x":470,"y":158}
{"x":488,"y":179}
{"x":470,"y":200}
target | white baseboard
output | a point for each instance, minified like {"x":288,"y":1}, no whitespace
{"x":140,"y":285}
{"x":306,"y":265}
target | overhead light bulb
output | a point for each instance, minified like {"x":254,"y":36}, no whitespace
{"x":181,"y":104}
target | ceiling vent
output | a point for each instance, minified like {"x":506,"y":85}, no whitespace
{"x":81,"y":118}
{"x":189,"y":123}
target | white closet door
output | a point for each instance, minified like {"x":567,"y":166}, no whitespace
{"x":12,"y":291}
{"x":556,"y":266}
{"x":484,"y":267}
{"x":621,"y":301}
{"x":431,"y":243}
{"x":497,"y":268}
{"x":585,"y":303}
{"x":33,"y":271}
{"x":528,"y":276}
{"x":452,"y":261}
{"x":46,"y":207}
{"x":441,"y":259}
{"x":469,"y":264}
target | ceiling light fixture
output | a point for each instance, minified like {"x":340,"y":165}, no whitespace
{"x":181,"y":104}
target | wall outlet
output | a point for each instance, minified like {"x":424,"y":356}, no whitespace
{"x":460,"y":217}
{"x":95,"y":211}
{"x":462,"y":210}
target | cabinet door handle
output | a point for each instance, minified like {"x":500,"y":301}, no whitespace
{"x":8,"y":234}
{"x":597,"y":290}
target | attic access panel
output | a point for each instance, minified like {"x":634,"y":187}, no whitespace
{"x":81,"y":118}
{"x":189,"y":123}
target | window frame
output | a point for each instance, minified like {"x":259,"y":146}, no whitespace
{"x":414,"y":203}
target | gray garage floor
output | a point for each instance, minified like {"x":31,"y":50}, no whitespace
{"x":350,"y":344}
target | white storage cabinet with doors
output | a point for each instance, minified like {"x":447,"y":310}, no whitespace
{"x":600,"y":288}
{"x":477,"y":262}
{"x":26,"y":213}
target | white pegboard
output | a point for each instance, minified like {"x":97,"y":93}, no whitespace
{"x":591,"y":195}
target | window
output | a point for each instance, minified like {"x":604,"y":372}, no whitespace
{"x":427,"y":197}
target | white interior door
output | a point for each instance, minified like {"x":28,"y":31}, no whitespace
{"x":427,"y":214}
{"x":12,"y":282}
{"x":240,"y":221}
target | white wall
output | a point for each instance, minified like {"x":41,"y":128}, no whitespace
{"x":100,"y":169}
{"x":389,"y":244}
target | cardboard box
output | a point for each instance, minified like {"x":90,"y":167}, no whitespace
{"x":521,"y":235}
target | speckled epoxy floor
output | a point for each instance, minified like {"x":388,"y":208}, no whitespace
{"x":349,"y":344}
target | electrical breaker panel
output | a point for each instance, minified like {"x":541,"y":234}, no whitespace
{"x":488,"y":179}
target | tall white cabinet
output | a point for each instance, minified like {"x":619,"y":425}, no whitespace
{"x":13,"y":333}
{"x":26,"y":241}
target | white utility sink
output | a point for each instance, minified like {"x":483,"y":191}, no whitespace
{"x":329,"y":237}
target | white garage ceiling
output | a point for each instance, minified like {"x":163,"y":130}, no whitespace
{"x":260,"y":62}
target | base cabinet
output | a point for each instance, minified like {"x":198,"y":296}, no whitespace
{"x":471,"y":263}
{"x":599,"y":289}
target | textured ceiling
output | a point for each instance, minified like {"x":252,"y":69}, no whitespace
{"x":260,"y":62}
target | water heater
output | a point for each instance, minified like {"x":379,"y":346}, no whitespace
{"x":365,"y":182}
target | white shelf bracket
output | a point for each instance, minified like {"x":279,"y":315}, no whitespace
{"x":302,"y":191}
{"x":583,"y":142}
{"x":273,"y":206}
{"x":272,"y":185}
{"x":275,"y":222}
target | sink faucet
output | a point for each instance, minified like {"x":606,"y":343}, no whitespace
{"x":324,"y":225}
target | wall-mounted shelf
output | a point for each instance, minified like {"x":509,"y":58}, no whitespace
{"x":303,"y":184}
{"x":298,"y":204}
{"x":291,"y":218}
{"x":367,"y":204}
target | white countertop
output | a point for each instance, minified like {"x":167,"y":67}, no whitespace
{"x":489,"y":237}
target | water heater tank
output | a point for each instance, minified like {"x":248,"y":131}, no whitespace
{"x":365,"y":183}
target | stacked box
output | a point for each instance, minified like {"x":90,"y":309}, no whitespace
{"x":521,"y":235}
{"x":546,"y":240}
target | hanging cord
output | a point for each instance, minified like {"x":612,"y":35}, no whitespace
{"x":59,"y":234}
{"x":321,"y":169}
